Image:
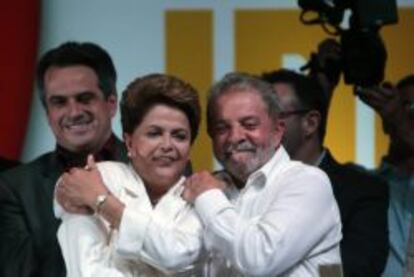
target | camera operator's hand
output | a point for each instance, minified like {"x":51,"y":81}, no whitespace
{"x":327,"y":65}
{"x":397,"y":117}
{"x":329,"y":51}
{"x":383,"y":99}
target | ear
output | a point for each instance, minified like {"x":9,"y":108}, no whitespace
{"x":128,"y":144}
{"x":279,"y":130}
{"x":112,"y":103}
{"x":311,"y":122}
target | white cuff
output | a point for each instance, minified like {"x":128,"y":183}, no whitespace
{"x":211,"y":203}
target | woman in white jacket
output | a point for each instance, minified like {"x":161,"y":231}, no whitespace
{"x":130,"y":220}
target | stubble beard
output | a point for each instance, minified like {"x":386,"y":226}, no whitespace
{"x":241,"y":170}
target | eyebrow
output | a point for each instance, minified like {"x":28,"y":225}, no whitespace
{"x":86,"y":92}
{"x":250,"y":117}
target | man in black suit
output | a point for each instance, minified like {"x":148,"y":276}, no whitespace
{"x":362,"y":198}
{"x":77,"y":88}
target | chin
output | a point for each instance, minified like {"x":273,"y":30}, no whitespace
{"x":242,"y":168}
{"x":167,"y":177}
{"x":165,"y":182}
{"x":83,"y":147}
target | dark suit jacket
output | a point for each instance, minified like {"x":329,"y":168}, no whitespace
{"x":28,"y":242}
{"x":363,"y":202}
{"x":6,"y":164}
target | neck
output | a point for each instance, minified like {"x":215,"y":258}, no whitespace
{"x":405,"y":166}
{"x":97,"y":148}
{"x":156,"y":190}
{"x":309,"y":152}
{"x":155,"y":193}
{"x":402,"y":160}
{"x":239,"y":183}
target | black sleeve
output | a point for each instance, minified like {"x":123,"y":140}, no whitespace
{"x":16,"y":247}
{"x":365,"y":242}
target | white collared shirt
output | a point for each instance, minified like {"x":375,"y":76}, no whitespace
{"x":284,"y":222}
{"x":151,"y":241}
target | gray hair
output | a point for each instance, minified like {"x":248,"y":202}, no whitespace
{"x":243,"y":82}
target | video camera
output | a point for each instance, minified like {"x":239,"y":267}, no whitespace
{"x":363,"y":56}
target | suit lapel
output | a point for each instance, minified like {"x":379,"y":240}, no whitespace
{"x":50,"y":176}
{"x":121,"y":151}
{"x":332,"y":169}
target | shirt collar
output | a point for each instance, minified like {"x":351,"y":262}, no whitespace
{"x":320,"y":158}
{"x":259,"y":177}
{"x":388,"y":169}
{"x":175,"y":190}
{"x":71,"y":159}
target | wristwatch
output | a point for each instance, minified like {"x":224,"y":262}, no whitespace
{"x":100,"y":200}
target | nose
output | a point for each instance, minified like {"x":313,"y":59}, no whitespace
{"x":236,"y":135}
{"x":166,"y":143}
{"x":75,"y":109}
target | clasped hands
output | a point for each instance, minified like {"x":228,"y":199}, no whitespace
{"x":199,"y":183}
{"x":78,"y":188}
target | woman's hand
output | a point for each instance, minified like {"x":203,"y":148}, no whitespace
{"x":79,"y":188}
{"x":199,"y":183}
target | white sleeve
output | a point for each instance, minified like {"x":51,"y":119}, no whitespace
{"x":83,"y":241}
{"x":283,"y":234}
{"x":158,"y":240}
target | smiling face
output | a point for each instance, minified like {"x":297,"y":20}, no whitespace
{"x":159,"y":147}
{"x":77,"y":112}
{"x":244,"y":136}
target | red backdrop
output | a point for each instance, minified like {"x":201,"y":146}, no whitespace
{"x":19,"y":29}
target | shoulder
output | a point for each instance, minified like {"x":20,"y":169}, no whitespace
{"x":307,"y":185}
{"x":116,"y":174}
{"x":30,"y":172}
{"x":361,"y":171}
{"x":299,"y":170}
{"x":7,"y":164}
{"x":352,"y":179}
{"x":113,"y":167}
{"x":356,"y":174}
{"x":303,"y":177}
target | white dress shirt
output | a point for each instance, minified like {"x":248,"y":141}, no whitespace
{"x":151,"y":241}
{"x":284,"y":222}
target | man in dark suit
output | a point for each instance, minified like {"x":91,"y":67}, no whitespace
{"x":77,"y":88}
{"x":362,"y":198}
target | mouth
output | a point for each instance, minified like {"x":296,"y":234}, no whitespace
{"x":235,"y":153}
{"x":164,"y":160}
{"x":79,"y":127}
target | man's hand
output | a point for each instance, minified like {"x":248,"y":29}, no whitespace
{"x":79,"y":188}
{"x":329,"y":53}
{"x":385,"y":101}
{"x":326,"y":65}
{"x":199,"y":183}
{"x":397,"y":118}
{"x":66,"y":204}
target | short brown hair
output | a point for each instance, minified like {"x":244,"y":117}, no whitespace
{"x":145,"y":92}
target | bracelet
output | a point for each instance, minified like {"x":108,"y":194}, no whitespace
{"x":100,"y":200}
